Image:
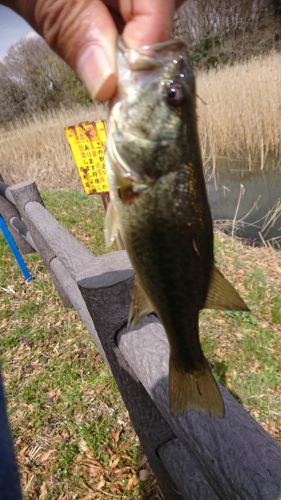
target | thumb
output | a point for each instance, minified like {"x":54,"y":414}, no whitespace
{"x":94,"y":56}
{"x":83,"y":33}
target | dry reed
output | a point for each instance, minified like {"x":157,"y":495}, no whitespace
{"x":37,"y":148}
{"x":240,"y":121}
{"x":239,"y":111}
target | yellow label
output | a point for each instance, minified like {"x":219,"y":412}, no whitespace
{"x":87,"y":143}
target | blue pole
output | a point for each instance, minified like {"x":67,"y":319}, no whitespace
{"x":14,"y":249}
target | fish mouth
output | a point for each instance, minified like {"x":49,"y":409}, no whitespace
{"x":121,"y":167}
{"x":148,"y":56}
{"x":119,"y":163}
{"x":119,"y":137}
{"x":128,"y":137}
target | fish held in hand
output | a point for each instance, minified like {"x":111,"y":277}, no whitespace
{"x":159,"y":205}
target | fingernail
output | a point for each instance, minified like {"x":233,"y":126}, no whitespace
{"x":96,"y":72}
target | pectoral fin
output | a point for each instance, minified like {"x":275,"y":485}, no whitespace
{"x":222,"y":295}
{"x":111,"y":225}
{"x":140,"y":306}
{"x":111,"y":228}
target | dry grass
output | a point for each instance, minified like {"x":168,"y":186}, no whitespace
{"x":240,"y":121}
{"x":241,"y":117}
{"x":244,"y":348}
{"x":37,"y":149}
{"x":71,"y":431}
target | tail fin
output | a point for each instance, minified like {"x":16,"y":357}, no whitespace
{"x":194,"y":391}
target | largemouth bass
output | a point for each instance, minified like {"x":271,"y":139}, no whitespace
{"x":159,"y":205}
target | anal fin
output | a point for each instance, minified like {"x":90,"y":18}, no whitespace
{"x":140,"y":306}
{"x":222,"y":295}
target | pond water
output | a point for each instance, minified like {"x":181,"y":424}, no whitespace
{"x":246,"y":203}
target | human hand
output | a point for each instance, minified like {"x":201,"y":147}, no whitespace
{"x":84,"y":32}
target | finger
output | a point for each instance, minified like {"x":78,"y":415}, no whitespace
{"x":147,"y":21}
{"x":82,"y":32}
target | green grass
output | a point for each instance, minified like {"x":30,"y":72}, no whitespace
{"x":244,"y":348}
{"x":276,"y":309}
{"x":72,"y":433}
{"x":81,"y":215}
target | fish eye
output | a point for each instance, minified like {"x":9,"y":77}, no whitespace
{"x":173,"y":93}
